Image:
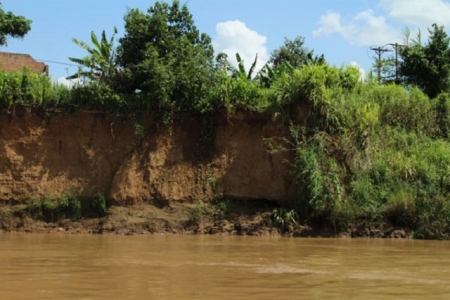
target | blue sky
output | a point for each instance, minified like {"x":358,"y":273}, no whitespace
{"x":342,"y":30}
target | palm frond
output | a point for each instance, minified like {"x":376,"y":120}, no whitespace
{"x":95,"y":41}
{"x":241,"y":66}
{"x":406,"y":35}
{"x":83,"y":45}
{"x":252,"y":68}
{"x":79,"y":61}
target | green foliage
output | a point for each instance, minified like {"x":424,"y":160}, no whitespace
{"x":400,"y":207}
{"x":442,"y":114}
{"x":386,"y":69}
{"x":366,"y":152}
{"x":268,"y":75}
{"x":195,"y":214}
{"x":294,"y":53}
{"x":27,"y":88}
{"x":100,"y":61}
{"x":433,"y":218}
{"x":12,"y":25}
{"x":282,"y":217}
{"x":164,"y":56}
{"x":222,"y":205}
{"x":240,"y":72}
{"x":93,"y":206}
{"x":427,"y":66}
{"x":234,"y":93}
{"x":68,"y":206}
{"x":321,"y":191}
{"x":319,"y":87}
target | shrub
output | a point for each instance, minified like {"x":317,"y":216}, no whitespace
{"x":68,"y":206}
{"x":195,"y":214}
{"x":282,"y":217}
{"x":433,"y":218}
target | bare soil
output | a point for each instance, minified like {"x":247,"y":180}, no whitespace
{"x":253,"y":218}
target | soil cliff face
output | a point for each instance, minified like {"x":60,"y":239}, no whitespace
{"x":47,"y":156}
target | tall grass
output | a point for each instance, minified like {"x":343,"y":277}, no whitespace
{"x":368,"y":152}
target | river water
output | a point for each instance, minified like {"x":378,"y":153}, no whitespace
{"x":61,"y":266}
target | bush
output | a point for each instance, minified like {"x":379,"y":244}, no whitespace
{"x":68,"y":206}
{"x":433,"y":218}
{"x":195,"y":214}
{"x":400,"y":208}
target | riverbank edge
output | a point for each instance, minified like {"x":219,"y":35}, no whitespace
{"x":251,"y":218}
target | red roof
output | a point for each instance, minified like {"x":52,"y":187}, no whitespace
{"x":14,"y":62}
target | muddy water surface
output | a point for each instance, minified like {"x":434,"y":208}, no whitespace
{"x":59,"y":266}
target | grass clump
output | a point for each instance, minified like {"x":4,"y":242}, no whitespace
{"x":67,"y":206}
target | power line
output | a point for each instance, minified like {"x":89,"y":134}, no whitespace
{"x":379,"y":51}
{"x":57,"y":62}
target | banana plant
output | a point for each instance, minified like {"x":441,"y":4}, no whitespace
{"x":268,"y":74}
{"x":239,"y":72}
{"x":101,"y":58}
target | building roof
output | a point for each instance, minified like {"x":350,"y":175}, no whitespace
{"x":14,"y":62}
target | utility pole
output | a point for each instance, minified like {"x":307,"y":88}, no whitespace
{"x":379,"y":51}
{"x":395,"y":46}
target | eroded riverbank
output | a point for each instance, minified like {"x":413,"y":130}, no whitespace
{"x":253,"y":218}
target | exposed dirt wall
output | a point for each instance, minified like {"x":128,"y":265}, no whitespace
{"x":47,"y":156}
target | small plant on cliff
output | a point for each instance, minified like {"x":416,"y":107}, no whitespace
{"x":282,"y":217}
{"x":222,"y":205}
{"x":93,"y":206}
{"x":195,"y":214}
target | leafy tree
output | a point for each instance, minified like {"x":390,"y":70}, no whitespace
{"x":101,"y":58}
{"x":164,"y":56}
{"x":295,"y":53}
{"x":12,"y":25}
{"x":427,"y":66}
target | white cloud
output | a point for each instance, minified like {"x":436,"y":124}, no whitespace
{"x":418,"y":12}
{"x":235,"y":37}
{"x":362,"y":73}
{"x":70,"y":83}
{"x":364,"y":29}
{"x":329,"y":24}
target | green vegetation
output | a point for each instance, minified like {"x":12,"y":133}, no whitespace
{"x":68,"y":206}
{"x":282,"y":218}
{"x":294,"y":53}
{"x":12,"y":25}
{"x":195,"y":214}
{"x":364,"y":152}
{"x":427,"y":66}
{"x":369,"y":152}
{"x":27,"y":88}
{"x":100,"y":61}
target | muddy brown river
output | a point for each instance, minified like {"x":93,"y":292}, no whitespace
{"x":60,"y":266}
